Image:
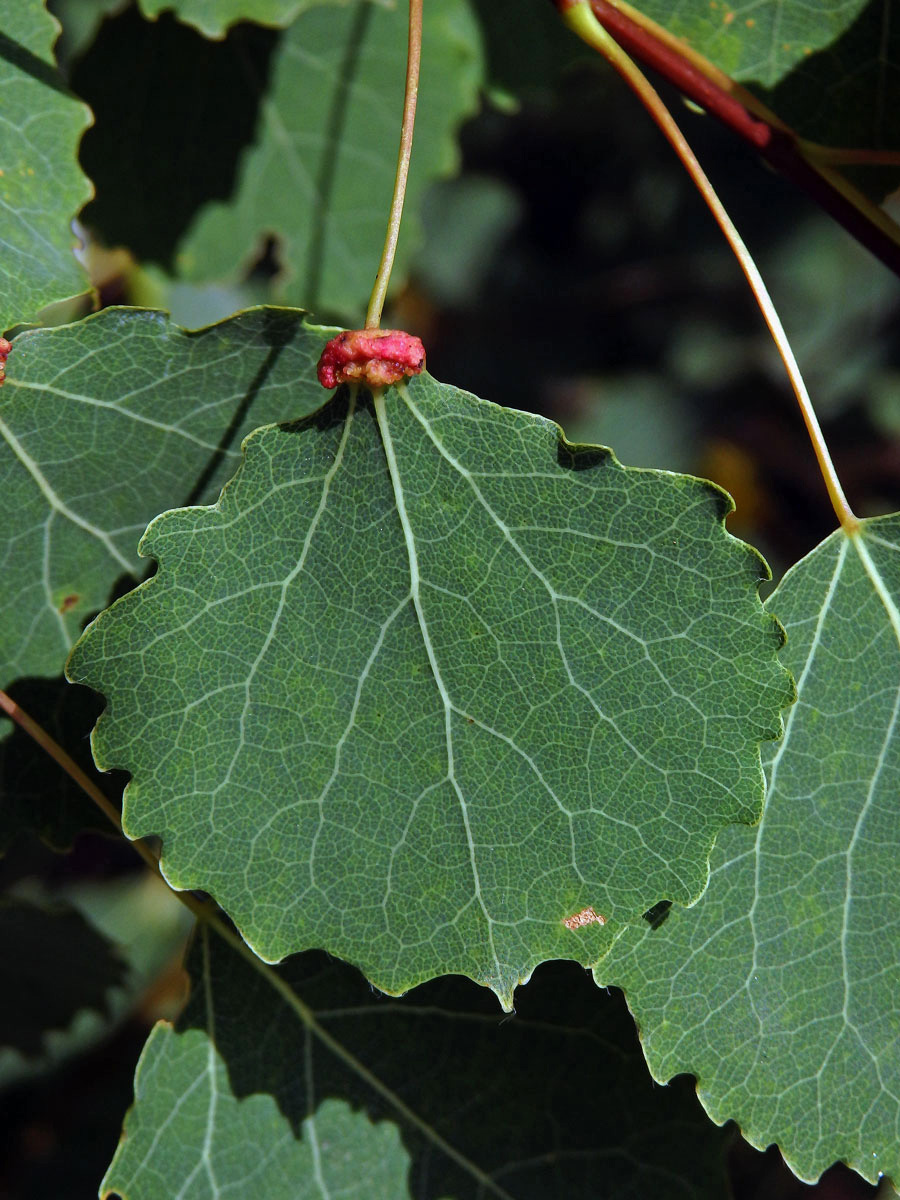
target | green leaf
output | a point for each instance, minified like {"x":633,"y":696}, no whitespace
{"x":321,"y":174}
{"x":41,"y":187}
{"x":428,"y":681}
{"x":829,"y":68}
{"x":778,"y":990}
{"x":758,"y":40}
{"x":848,"y":94}
{"x":485,"y":1108}
{"x":247,"y":1148}
{"x":103,"y":424}
{"x":465,"y":222}
{"x":213,"y":17}
{"x":49,"y":948}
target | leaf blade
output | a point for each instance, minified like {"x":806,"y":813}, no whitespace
{"x":484,"y":1108}
{"x":248,"y":1144}
{"x":213,"y":17}
{"x":41,"y":188}
{"x":436,"y":787}
{"x":320,"y":176}
{"x":771,"y":990}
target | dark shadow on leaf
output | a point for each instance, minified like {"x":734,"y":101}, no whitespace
{"x":280,"y":327}
{"x":22,"y":59}
{"x":848,"y":94}
{"x":581,"y":458}
{"x":333,"y":412}
{"x":123,"y":585}
{"x":658,"y":913}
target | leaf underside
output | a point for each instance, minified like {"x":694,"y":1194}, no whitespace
{"x":757,"y":40}
{"x":213,"y":17}
{"x":427,"y":682}
{"x":779,"y":989}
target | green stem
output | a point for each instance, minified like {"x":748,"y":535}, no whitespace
{"x":413,"y":60}
{"x":581,"y":20}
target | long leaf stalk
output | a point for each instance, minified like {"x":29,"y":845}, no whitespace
{"x":579,"y":16}
{"x":410,"y":98}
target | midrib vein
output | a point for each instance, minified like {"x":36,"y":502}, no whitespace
{"x":415,"y":594}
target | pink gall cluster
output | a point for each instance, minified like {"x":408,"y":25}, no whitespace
{"x":377,"y":357}
{"x":5,"y":348}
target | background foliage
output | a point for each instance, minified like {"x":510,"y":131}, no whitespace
{"x":616,"y":312}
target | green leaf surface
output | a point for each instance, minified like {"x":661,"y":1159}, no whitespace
{"x":47,"y":947}
{"x":758,"y":40}
{"x":428,"y":681}
{"x":105,"y":423}
{"x":485,"y":1108}
{"x":320,"y":176}
{"x":466,"y":221}
{"x":779,"y":989}
{"x":848,"y":94}
{"x":829,"y":68}
{"x":245,"y":1147}
{"x":41,"y":187}
{"x":213,"y":17}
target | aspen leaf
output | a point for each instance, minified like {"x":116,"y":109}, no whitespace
{"x":427,"y":682}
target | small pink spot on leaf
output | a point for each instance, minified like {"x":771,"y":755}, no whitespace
{"x":587,"y":916}
{"x":377,"y":357}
